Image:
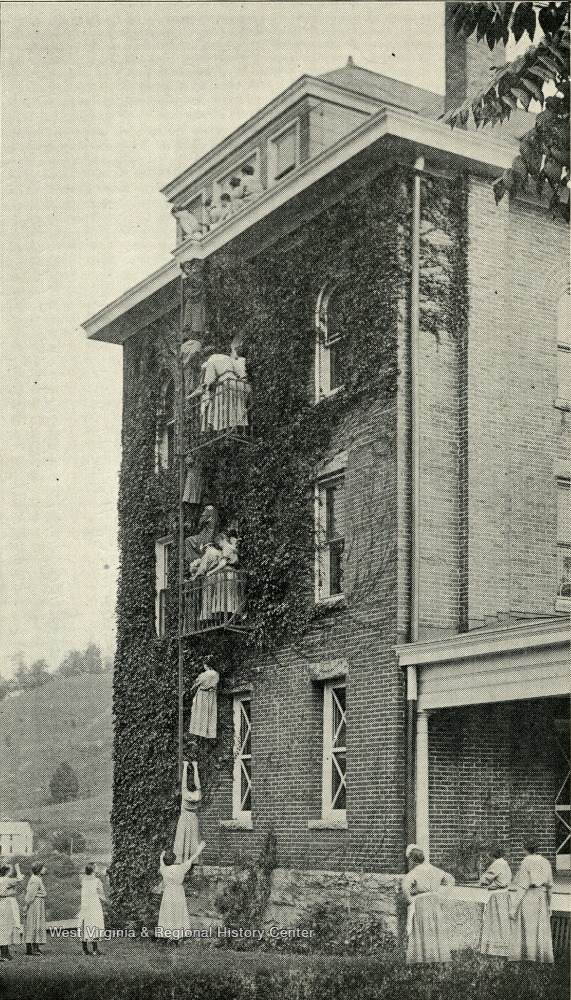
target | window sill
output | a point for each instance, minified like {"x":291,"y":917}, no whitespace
{"x":328,"y":604}
{"x":562,"y":404}
{"x":563,"y":604}
{"x":328,"y":395}
{"x":327,"y":824}
{"x":236,"y":824}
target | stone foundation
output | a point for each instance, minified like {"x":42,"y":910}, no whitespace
{"x":295,"y":893}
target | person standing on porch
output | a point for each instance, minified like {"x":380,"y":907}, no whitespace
{"x":495,"y":938}
{"x":530,"y":908}
{"x":426,"y":924}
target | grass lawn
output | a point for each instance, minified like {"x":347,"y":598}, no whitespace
{"x":147,"y":970}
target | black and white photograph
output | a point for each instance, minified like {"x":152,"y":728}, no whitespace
{"x":285,"y":371}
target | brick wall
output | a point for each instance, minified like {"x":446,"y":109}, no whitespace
{"x":514,"y":432}
{"x":468,"y":64}
{"x":493,"y":775}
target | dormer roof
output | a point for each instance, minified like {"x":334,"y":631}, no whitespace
{"x":385,"y":90}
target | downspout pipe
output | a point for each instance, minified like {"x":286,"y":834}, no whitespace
{"x":411,"y":681}
{"x":181,"y":479}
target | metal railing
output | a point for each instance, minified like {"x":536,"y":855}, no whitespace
{"x":214,"y":601}
{"x":222,"y":410}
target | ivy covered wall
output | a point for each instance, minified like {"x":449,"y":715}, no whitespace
{"x":269,"y":488}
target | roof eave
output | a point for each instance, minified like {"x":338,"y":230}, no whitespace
{"x":423,"y":134}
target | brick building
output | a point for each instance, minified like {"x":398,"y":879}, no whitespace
{"x":428,"y":699}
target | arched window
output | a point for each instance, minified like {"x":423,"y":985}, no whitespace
{"x":332,"y":341}
{"x":165,"y":448}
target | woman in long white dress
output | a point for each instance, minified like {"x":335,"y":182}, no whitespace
{"x":90,"y":920}
{"x":495,"y":938}
{"x":530,"y":907}
{"x":427,"y":930}
{"x":174,"y":921}
{"x":187,"y":835}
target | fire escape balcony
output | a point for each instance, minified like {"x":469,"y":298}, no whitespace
{"x":214,"y":601}
{"x":219,"y":412}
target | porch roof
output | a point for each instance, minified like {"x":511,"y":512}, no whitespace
{"x":528,"y":660}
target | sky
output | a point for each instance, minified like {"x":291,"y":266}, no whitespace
{"x":103,"y":104}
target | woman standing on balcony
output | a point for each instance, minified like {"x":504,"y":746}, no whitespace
{"x":426,"y":926}
{"x":495,"y":938}
{"x":530,"y":907}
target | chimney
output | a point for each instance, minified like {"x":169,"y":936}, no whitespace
{"x":469,"y":64}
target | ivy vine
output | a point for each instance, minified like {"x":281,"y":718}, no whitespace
{"x":267,"y":486}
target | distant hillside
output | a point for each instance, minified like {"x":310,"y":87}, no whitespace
{"x":68,"y":719}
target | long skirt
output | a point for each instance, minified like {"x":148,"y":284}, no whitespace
{"x":222,"y":594}
{"x":530,"y":939}
{"x":428,"y":939}
{"x":7,"y":922}
{"x":18,"y":931}
{"x":186,"y":837}
{"x":204,"y":714}
{"x":173,"y":914}
{"x":36,"y":921}
{"x":495,"y":938}
{"x":90,"y":920}
{"x":225,"y":406}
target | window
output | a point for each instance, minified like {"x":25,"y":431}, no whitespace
{"x":163,"y":570}
{"x":165,"y":448}
{"x":564,"y":348}
{"x":242,"y":778}
{"x":332,"y":342}
{"x":283,"y":152}
{"x":334,"y":802}
{"x":330,"y":526}
{"x":564,"y":538}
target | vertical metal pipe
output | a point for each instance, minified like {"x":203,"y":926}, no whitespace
{"x":181,"y":477}
{"x":411,"y":685}
{"x":414,"y":403}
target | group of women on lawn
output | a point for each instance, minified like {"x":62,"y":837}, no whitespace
{"x":33,"y":910}
{"x":516,"y":920}
{"x":90,"y":918}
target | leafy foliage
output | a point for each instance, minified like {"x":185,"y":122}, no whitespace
{"x":68,"y":842}
{"x":64,"y":786}
{"x":268,"y":486}
{"x":133,"y":969}
{"x":544,"y":150}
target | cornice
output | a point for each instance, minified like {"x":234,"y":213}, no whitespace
{"x":417,"y":135}
{"x":482,"y":643}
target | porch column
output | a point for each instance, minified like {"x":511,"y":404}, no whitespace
{"x":422,"y":804}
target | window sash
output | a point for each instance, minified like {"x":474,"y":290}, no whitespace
{"x":563,"y":372}
{"x":285,"y":152}
{"x":334,"y":796}
{"x":163,"y":560}
{"x":242,"y":776}
{"x":330,"y":529}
